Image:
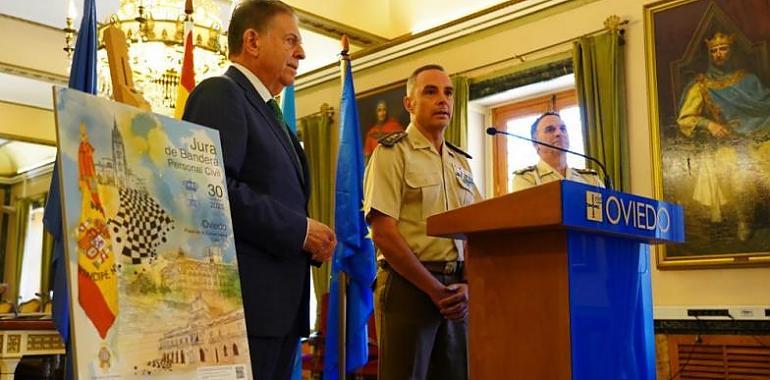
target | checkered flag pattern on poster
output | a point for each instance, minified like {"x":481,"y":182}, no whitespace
{"x":139,"y":226}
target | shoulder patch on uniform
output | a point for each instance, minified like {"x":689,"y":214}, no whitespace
{"x":392,"y":138}
{"x":527,"y":169}
{"x":458,"y":150}
{"x":587,"y":171}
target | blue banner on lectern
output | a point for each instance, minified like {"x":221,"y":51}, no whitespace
{"x":631,"y":216}
{"x":609,"y":278}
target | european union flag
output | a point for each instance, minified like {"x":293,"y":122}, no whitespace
{"x":83,"y":78}
{"x":355,"y":253}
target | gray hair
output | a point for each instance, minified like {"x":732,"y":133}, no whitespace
{"x":252,"y":14}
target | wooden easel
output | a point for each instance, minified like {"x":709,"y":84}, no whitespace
{"x":123,"y":90}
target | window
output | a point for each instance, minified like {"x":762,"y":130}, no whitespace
{"x":32,"y":256}
{"x":511,"y":154}
{"x":313,"y":303}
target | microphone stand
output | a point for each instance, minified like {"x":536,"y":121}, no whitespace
{"x":607,"y":180}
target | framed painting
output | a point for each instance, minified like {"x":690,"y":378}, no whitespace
{"x":709,"y":94}
{"x":381,"y":111}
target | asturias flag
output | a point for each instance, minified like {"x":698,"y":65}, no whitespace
{"x":288,"y":108}
{"x":290,"y":117}
{"x":355,"y":253}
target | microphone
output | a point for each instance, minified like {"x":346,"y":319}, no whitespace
{"x":607,"y":180}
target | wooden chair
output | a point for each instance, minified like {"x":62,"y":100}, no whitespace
{"x":32,"y":306}
{"x":6,"y":307}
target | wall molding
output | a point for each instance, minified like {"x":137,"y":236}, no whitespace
{"x":38,"y":24}
{"x":37,"y":172}
{"x":402,"y":47}
{"x":27,"y":72}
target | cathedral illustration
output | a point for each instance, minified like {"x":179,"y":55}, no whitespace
{"x":114,"y":171}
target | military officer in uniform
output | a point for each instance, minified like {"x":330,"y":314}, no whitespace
{"x":550,"y":128}
{"x":421,"y":300}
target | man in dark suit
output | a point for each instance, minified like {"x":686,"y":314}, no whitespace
{"x":267,"y":181}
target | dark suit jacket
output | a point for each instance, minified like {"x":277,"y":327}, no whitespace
{"x":268,"y":193}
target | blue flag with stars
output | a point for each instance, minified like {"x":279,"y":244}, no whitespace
{"x":355,"y":253}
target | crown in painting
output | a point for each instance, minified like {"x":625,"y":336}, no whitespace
{"x":720,"y":39}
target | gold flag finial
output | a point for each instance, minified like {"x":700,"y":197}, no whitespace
{"x":345,"y":45}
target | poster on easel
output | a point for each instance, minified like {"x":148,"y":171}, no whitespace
{"x":153,"y":276}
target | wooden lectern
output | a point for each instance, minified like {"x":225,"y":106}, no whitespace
{"x":559,"y":281}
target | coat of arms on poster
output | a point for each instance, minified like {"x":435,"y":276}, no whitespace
{"x":149,"y":244}
{"x":709,"y":87}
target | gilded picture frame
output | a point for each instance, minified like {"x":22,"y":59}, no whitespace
{"x":708,"y":76}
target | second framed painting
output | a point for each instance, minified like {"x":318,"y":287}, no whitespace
{"x":381,"y":111}
{"x":709,"y":88}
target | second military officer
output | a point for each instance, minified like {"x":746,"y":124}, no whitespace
{"x":549,"y":128}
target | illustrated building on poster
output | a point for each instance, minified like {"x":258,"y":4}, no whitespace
{"x":205,"y":338}
{"x":114,"y":170}
{"x":119,"y":157}
{"x":209,"y":274}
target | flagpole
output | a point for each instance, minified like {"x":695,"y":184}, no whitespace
{"x":342,"y":324}
{"x":343,"y":278}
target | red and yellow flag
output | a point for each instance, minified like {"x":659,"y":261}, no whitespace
{"x":97,"y":275}
{"x":187,"y":79}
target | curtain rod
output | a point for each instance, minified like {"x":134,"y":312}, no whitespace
{"x":612,"y":23}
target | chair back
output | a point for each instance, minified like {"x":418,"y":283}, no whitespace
{"x":32,"y":306}
{"x":6,"y":307}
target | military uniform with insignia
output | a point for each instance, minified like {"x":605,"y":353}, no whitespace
{"x":408,"y":180}
{"x":541,"y":173}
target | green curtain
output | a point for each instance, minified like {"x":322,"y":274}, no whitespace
{"x":457,"y":132}
{"x":319,"y":138}
{"x":21,"y":221}
{"x":46,"y":273}
{"x":600,"y":80}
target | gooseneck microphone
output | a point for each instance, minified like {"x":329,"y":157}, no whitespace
{"x":607,"y":180}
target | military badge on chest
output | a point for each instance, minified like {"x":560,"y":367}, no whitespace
{"x":465,"y":179}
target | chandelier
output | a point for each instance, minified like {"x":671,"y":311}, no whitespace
{"x":154,"y":32}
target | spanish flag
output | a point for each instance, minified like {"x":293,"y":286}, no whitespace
{"x":97,"y":274}
{"x":187,"y":78}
